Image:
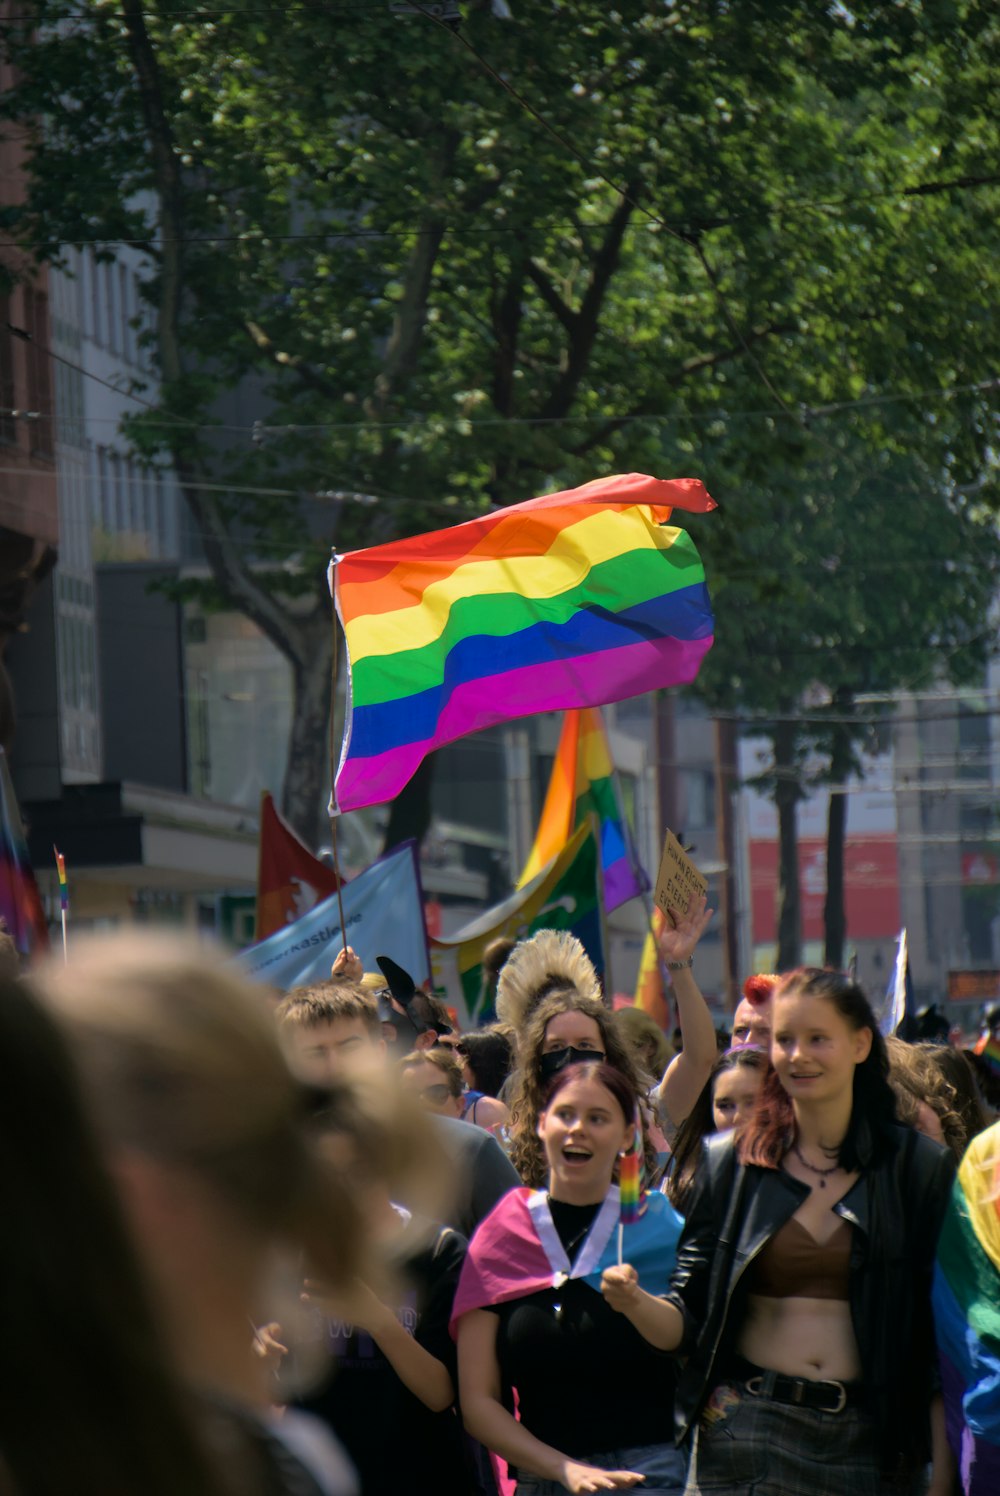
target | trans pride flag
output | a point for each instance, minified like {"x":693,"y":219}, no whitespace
{"x":967,"y":1316}
{"x":582,"y":784}
{"x":516,"y":1250}
{"x":570,"y":600}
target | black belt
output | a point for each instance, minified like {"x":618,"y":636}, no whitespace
{"x":797,"y":1392}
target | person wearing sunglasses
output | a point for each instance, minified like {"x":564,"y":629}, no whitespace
{"x":435,"y":1077}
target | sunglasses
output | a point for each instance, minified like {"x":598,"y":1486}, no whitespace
{"x":437,"y":1095}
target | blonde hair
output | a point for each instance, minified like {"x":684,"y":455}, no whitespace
{"x":180,"y":1061}
{"x":551,"y":961}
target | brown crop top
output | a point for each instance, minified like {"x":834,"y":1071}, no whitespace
{"x":793,"y":1265}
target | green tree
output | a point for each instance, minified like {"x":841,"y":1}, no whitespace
{"x":464,"y":266}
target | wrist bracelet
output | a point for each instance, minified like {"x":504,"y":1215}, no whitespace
{"x":680,"y":965}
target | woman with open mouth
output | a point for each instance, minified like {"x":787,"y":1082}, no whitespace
{"x":801,"y":1296}
{"x":593,"y":1393}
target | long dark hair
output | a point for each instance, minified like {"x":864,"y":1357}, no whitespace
{"x":770,"y":1133}
{"x":489,"y":1055}
{"x":528,"y":1096}
{"x":89,"y":1403}
{"x":700,"y":1123}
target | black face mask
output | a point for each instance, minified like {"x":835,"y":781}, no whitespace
{"x":551,"y":1064}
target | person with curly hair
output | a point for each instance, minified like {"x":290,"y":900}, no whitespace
{"x":924,"y":1099}
{"x":565,"y":1029}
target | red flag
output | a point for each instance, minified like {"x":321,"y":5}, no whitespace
{"x":290,"y":880}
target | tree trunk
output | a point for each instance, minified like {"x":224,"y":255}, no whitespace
{"x":787,"y":793}
{"x":307,"y":769}
{"x":834,"y":911}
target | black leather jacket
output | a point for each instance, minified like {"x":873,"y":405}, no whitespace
{"x":896,"y":1208}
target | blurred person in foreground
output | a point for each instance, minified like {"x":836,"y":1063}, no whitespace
{"x":204,"y":1129}
{"x":390,"y":1391}
{"x":331,"y":1027}
{"x":91,"y":1404}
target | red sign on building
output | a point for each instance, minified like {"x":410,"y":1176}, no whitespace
{"x":871,"y":887}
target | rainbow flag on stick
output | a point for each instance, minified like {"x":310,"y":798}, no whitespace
{"x":569,"y":600}
{"x":966,"y":1301}
{"x":582,"y":785}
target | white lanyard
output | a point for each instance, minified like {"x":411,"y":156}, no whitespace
{"x":593,"y":1245}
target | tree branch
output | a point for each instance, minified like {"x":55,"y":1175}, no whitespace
{"x":588,"y":318}
{"x":410,"y":321}
{"x":543,"y":284}
{"x":684,"y":371}
{"x":306,"y":372}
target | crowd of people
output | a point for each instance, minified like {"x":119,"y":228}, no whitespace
{"x":322,"y":1243}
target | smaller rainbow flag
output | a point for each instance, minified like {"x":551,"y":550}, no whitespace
{"x":966,"y":1300}
{"x":630,"y":1177}
{"x":63,"y":885}
{"x":582,"y":785}
{"x":569,"y":600}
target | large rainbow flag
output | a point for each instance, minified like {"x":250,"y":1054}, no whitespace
{"x":574,"y":599}
{"x":967,"y":1316}
{"x":582,"y":785}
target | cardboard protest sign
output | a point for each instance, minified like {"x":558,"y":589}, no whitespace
{"x":677,"y":880}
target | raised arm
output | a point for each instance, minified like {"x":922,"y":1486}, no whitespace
{"x":687,"y":1072}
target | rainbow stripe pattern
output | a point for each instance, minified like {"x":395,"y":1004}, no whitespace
{"x":990,"y":1052}
{"x":63,"y":885}
{"x":630,"y":1178}
{"x":582,"y":785}
{"x":569,"y":600}
{"x":967,"y":1316}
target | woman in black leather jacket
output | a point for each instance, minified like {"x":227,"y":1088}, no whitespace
{"x":801,"y":1296}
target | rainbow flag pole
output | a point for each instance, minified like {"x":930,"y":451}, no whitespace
{"x":63,"y":897}
{"x":630,"y":1185}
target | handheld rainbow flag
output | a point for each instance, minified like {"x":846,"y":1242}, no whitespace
{"x":570,"y":600}
{"x":63,"y":898}
{"x":630,"y":1184}
{"x":582,"y":784}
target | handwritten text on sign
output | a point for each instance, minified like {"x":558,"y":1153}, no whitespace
{"x":677,"y":880}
